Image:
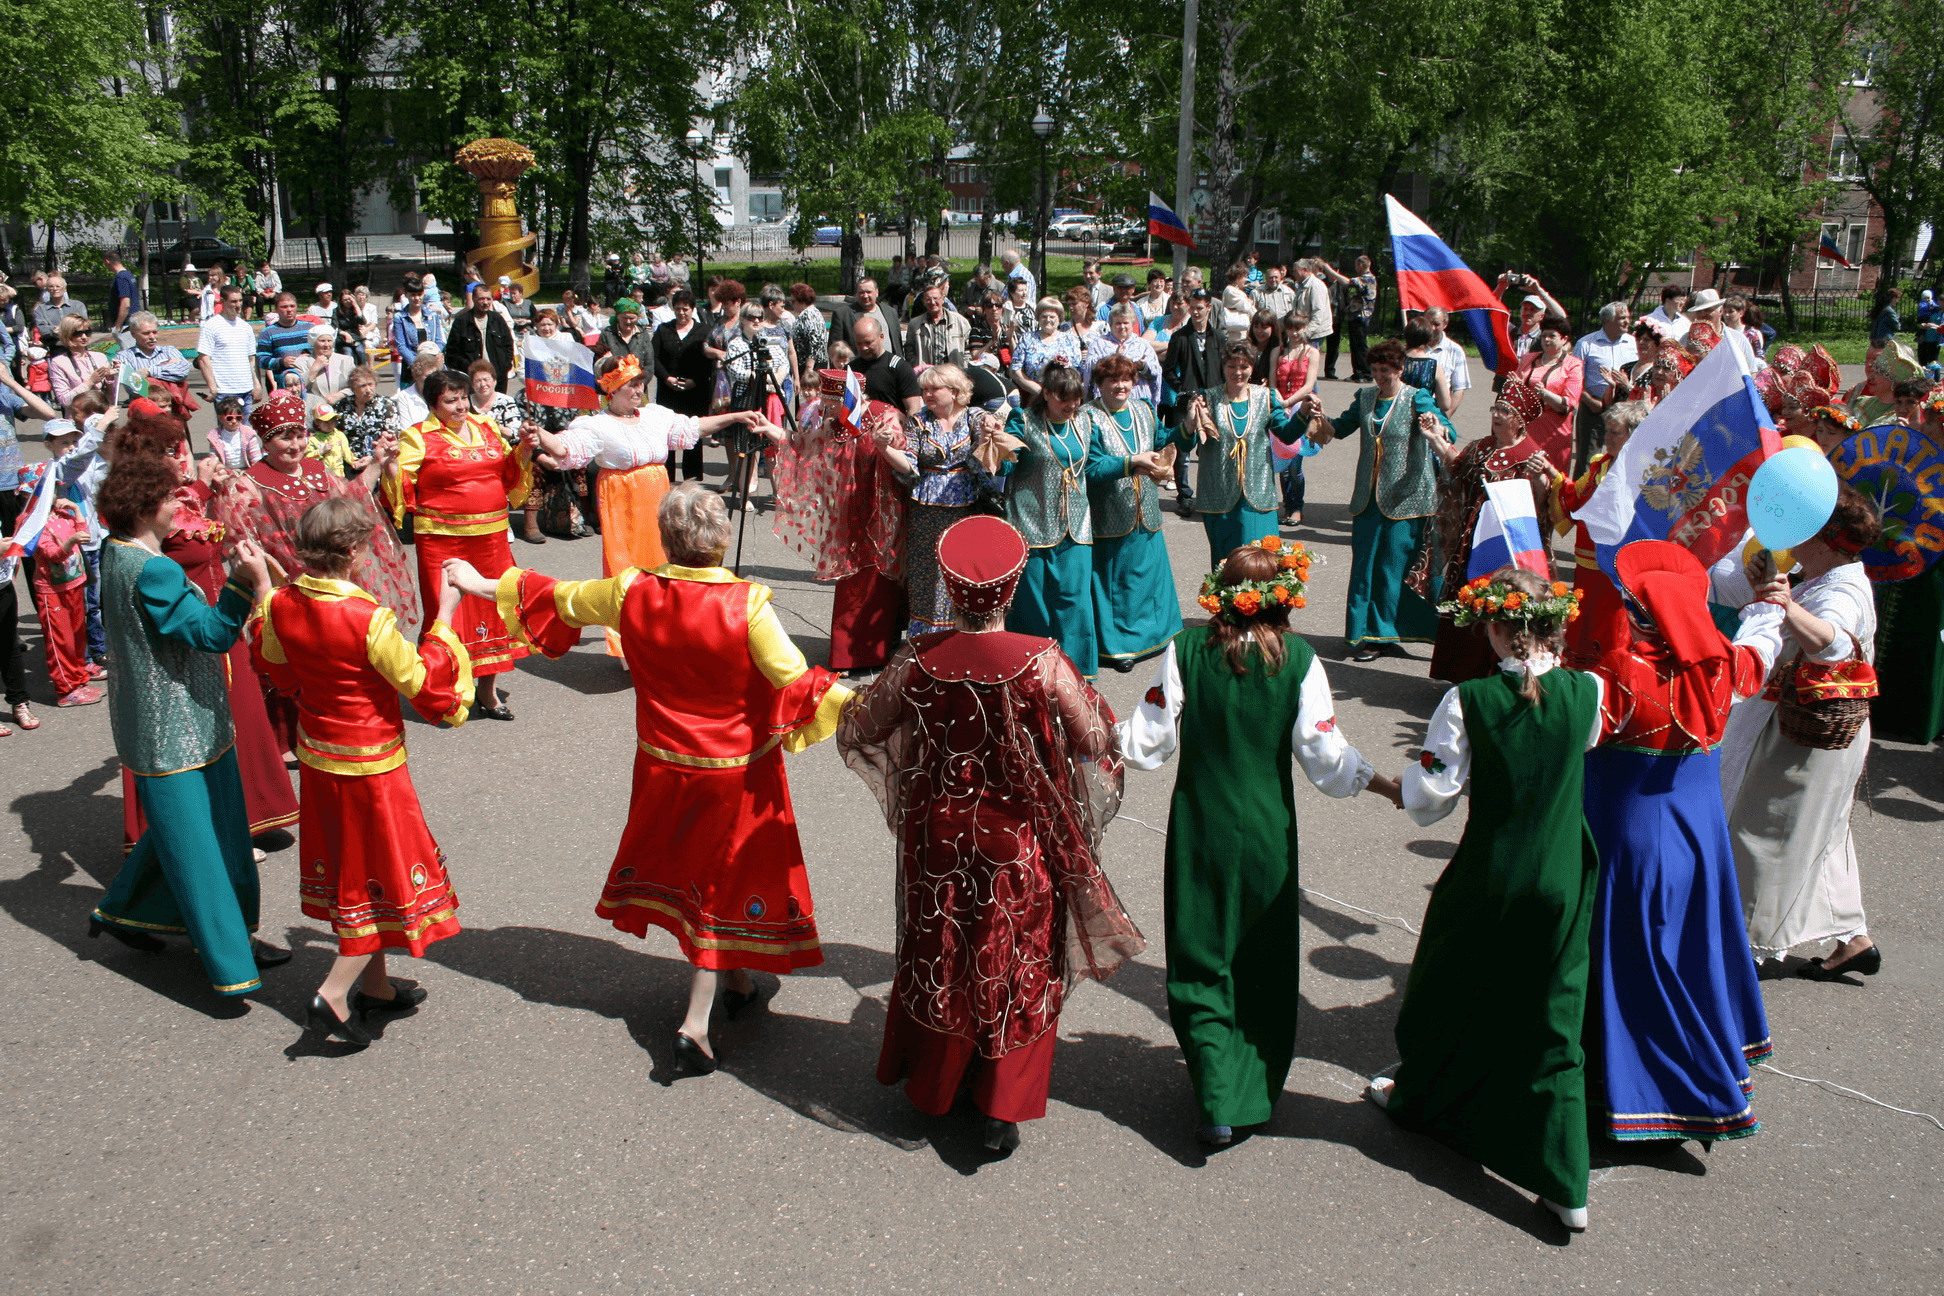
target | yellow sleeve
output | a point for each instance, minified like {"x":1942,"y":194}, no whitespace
{"x":770,"y":647}
{"x":411,"y":453}
{"x":518,"y":495}
{"x":391,"y":656}
{"x":270,"y":646}
{"x":578,"y":603}
{"x":830,"y":712}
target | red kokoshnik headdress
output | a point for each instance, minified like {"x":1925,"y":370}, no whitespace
{"x":981,"y":558}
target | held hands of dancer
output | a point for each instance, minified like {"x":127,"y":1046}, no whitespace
{"x":465,"y":578}
{"x":252,"y":563}
{"x":1392,"y":790}
{"x":1320,"y":431}
{"x":449,"y":592}
{"x":1432,"y":430}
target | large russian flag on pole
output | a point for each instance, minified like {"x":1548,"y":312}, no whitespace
{"x":1683,"y":475}
{"x":1507,"y":534}
{"x":1164,"y":224}
{"x":1430,"y":274}
{"x":559,"y":372}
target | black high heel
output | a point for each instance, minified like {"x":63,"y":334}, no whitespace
{"x":323,"y":1019}
{"x":1868,"y":963}
{"x":690,"y":1055}
{"x":404,"y":999}
{"x":133,"y":939}
{"x":735,"y":1002}
{"x":1001,"y":1136}
{"x":268,"y":956}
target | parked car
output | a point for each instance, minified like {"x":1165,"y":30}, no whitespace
{"x":1074,"y":225}
{"x":201,"y":251}
{"x":827,"y":235}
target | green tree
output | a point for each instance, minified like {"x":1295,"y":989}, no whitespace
{"x":1897,"y":127}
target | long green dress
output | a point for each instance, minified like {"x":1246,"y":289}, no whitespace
{"x":1391,"y":505}
{"x":1046,"y":499}
{"x":1237,"y":491}
{"x":1136,"y":609}
{"x":1909,"y":706}
{"x":1490,"y":1026}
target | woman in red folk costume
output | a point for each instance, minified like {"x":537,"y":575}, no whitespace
{"x":1602,"y":624}
{"x":266,"y":502}
{"x":710,"y":852}
{"x":459,"y":482}
{"x":369,"y":866}
{"x":837,"y":504}
{"x":998,"y":771}
{"x":195,"y":541}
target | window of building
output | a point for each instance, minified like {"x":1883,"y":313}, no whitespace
{"x":1848,"y":238}
{"x":765,"y":206}
{"x":1844,"y":163}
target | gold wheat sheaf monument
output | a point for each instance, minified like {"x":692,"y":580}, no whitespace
{"x":498,"y":164}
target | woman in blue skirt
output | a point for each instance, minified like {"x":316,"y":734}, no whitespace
{"x":1046,"y":500}
{"x":1237,"y":491}
{"x":1136,"y":610}
{"x":1674,"y":1017}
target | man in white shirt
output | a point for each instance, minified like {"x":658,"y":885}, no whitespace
{"x":1275,"y":296}
{"x":1101,"y":292}
{"x":1016,"y":272}
{"x":1605,"y":352}
{"x":1313,"y":299}
{"x":1451,"y":358}
{"x":226,"y":351}
{"x":1668,"y":315}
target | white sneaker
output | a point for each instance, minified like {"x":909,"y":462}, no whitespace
{"x":1573,"y":1217}
{"x":1378,"y":1092}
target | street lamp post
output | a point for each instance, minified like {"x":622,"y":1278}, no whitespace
{"x":1043,"y":128}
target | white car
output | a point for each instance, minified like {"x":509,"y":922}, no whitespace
{"x":1074,"y":225}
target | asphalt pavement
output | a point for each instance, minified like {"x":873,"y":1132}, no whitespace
{"x":527,"y":1131}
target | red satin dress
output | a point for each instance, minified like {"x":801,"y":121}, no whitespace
{"x":369,"y":865}
{"x":1602,"y":625}
{"x":196,"y":542}
{"x":710,"y":852}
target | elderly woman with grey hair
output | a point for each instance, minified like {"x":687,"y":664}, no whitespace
{"x":1124,"y":338}
{"x":710,"y":852}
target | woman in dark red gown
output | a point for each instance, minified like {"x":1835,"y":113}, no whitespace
{"x":997,"y":768}
{"x":196,"y":542}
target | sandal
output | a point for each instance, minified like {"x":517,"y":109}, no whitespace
{"x":25,"y":718}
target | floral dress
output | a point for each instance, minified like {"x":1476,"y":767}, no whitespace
{"x":1036,"y":352}
{"x":948,"y":484}
{"x":362,"y":430}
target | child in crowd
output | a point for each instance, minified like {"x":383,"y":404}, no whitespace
{"x":60,"y":591}
{"x":328,"y":443}
{"x":233,"y":441}
{"x":83,"y":467}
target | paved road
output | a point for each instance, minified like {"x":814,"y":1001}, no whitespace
{"x":525,"y":1131}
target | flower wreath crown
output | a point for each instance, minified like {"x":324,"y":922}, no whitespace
{"x":1483,"y":600}
{"x":1840,"y":417}
{"x":1249,"y":597}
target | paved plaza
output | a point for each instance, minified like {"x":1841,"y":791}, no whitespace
{"x":527,"y":1131}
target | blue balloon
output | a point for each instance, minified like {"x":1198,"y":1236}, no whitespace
{"x":1790,"y":497}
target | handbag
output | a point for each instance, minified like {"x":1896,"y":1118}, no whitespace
{"x":1823,"y":705}
{"x":560,"y":511}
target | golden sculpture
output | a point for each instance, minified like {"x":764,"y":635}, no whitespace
{"x":497,"y":164}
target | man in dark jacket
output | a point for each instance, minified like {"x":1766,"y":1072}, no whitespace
{"x":481,"y":332}
{"x":844,"y":317}
{"x":1194,"y":362}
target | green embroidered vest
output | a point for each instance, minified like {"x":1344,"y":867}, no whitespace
{"x":1394,"y":460}
{"x":1120,"y":505}
{"x":168,"y":703}
{"x":1236,"y":467}
{"x":1045,"y":498}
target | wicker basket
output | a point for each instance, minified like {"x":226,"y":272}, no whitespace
{"x":1829,"y":723}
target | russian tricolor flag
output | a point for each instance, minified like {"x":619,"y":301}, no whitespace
{"x":1164,"y":224}
{"x":1430,"y":274}
{"x":1507,"y":533}
{"x":32,"y":521}
{"x":560,"y":372}
{"x":1828,"y":250}
{"x":1683,"y":475}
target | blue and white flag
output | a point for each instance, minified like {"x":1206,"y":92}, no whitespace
{"x":1683,"y":476}
{"x":1507,"y":534}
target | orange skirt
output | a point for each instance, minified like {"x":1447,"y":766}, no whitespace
{"x":630,"y":523}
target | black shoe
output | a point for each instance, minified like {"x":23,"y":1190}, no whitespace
{"x":133,"y":939}
{"x":1000,"y":1136}
{"x":1868,"y":963}
{"x":1122,"y":664}
{"x":734,"y":1002}
{"x":500,"y":712}
{"x":691,"y":1056}
{"x":268,"y":956}
{"x":1215,"y":1135}
{"x":323,"y":1019}
{"x":1366,"y":655}
{"x":404,"y":999}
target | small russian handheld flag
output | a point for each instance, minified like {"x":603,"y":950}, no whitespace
{"x":1430,"y":274}
{"x":32,"y":521}
{"x":560,"y":372}
{"x":1828,"y":250}
{"x":1507,"y":532}
{"x":1165,"y":225}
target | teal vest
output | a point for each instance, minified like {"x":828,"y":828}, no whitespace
{"x":168,"y":703}
{"x":1124,"y":503}
{"x":1045,"y":499}
{"x":1395,"y":462}
{"x":1236,"y":467}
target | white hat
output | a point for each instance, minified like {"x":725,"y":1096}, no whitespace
{"x":321,"y":331}
{"x":1706,"y":299}
{"x":324,"y":288}
{"x":506,"y":281}
{"x":1530,"y":300}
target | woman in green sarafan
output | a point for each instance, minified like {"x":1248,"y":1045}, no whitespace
{"x":1244,"y":700}
{"x":1496,"y":1071}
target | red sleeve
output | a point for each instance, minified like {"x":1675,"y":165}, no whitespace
{"x":796,"y":703}
{"x":534,"y":618}
{"x":447,"y":690}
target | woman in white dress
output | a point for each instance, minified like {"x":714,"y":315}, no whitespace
{"x":630,"y":444}
{"x":1789,"y":805}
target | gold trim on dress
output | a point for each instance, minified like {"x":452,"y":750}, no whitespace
{"x":339,"y":749}
{"x":204,"y":764}
{"x":710,"y":762}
